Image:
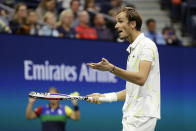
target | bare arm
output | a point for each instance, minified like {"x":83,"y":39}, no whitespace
{"x":134,"y":77}
{"x":75,"y":115}
{"x":121,"y":95}
{"x":30,"y":114}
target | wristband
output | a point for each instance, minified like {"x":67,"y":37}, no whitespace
{"x":76,"y":108}
{"x":110,"y":97}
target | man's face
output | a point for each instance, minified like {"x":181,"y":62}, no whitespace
{"x":84,"y":18}
{"x":22,"y":12}
{"x":151,"y":27}
{"x":75,"y":6}
{"x":123,"y":26}
{"x":53,"y":101}
{"x":99,"y":20}
{"x":116,"y":3}
{"x":51,"y":20}
{"x":51,"y":4}
{"x":32,"y":17}
{"x":68,"y":19}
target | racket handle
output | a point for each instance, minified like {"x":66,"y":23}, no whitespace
{"x":89,"y":98}
{"x":101,"y":99}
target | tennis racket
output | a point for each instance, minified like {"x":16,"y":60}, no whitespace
{"x":55,"y":96}
{"x":58,"y":96}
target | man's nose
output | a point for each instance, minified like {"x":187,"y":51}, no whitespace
{"x":116,"y":26}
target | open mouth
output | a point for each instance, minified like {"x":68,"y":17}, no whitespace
{"x":119,"y":31}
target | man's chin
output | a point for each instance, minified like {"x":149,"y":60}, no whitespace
{"x":123,"y":38}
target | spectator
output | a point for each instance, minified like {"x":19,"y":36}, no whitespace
{"x":19,"y":23}
{"x":92,"y":9}
{"x":4,"y":24}
{"x":170,"y":36}
{"x":33,"y":22}
{"x":91,"y":5}
{"x":3,"y":13}
{"x":116,"y":6}
{"x":53,"y":115}
{"x":46,"y":6}
{"x":152,"y":34}
{"x":64,"y":25}
{"x":49,"y":28}
{"x":74,"y":7}
{"x":65,"y":4}
{"x":84,"y":31}
{"x":103,"y":32}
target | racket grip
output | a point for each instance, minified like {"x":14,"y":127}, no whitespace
{"x":89,"y":98}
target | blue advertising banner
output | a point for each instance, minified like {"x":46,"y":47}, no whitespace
{"x":37,"y":63}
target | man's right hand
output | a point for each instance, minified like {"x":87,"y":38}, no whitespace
{"x":95,"y":98}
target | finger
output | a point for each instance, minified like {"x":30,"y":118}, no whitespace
{"x":92,"y":95}
{"x":104,"y":60}
{"x":97,"y":100}
{"x":94,"y":100}
{"x":91,"y":65}
{"x":101,"y":95}
{"x":88,"y":100}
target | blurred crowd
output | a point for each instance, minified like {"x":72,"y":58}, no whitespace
{"x":84,"y":19}
{"x":183,"y":12}
{"x":81,"y":19}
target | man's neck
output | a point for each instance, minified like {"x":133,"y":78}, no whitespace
{"x":100,"y":26}
{"x":84,"y":25}
{"x":152,"y":32}
{"x":133,"y":36}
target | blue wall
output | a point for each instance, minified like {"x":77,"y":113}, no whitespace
{"x":177,"y":82}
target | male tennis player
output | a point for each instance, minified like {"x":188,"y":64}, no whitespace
{"x":53,"y":116}
{"x":142,"y":94}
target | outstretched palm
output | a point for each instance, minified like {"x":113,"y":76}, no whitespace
{"x":103,"y":65}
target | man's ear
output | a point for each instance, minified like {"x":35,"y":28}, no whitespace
{"x":133,"y":24}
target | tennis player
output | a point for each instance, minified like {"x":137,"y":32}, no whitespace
{"x":53,"y":116}
{"x":142,"y":94}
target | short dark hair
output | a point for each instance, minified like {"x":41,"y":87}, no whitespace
{"x":132,"y":15}
{"x":149,"y":21}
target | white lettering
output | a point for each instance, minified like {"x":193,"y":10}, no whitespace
{"x":27,"y":68}
{"x":84,"y":73}
{"x":70,"y":73}
{"x":49,"y":72}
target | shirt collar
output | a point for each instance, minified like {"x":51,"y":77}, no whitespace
{"x":135,"y":43}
